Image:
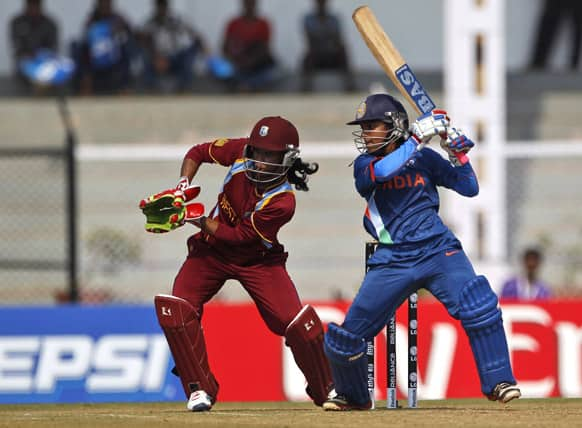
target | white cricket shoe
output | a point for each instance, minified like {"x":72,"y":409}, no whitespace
{"x":504,"y":392}
{"x":339,"y":402}
{"x":199,"y":401}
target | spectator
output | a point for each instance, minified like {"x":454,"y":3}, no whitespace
{"x":555,"y":14}
{"x":103,"y":56}
{"x":246,"y":46}
{"x":527,"y":286}
{"x":325,"y":47}
{"x":170,"y":47}
{"x":31,"y":32}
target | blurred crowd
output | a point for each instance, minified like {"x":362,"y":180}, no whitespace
{"x":555,"y":16}
{"x":160,"y":55}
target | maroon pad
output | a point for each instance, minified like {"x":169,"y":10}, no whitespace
{"x":304,"y":335}
{"x":180,"y":324}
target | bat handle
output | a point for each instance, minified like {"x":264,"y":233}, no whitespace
{"x":462,"y":158}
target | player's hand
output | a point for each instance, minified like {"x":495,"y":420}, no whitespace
{"x":193,"y":212}
{"x":457,"y":144}
{"x":168,"y":210}
{"x":162,"y":214}
{"x":183,"y":184}
{"x":457,"y":141}
{"x":430,"y":125}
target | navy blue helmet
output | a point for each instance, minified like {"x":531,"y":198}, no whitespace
{"x":385,"y":108}
{"x":382,"y":107}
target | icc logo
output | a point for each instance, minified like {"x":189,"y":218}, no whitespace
{"x":263,"y":131}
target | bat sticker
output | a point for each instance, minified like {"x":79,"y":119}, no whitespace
{"x":411,"y":84}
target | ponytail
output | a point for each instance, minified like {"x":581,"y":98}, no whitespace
{"x":297,"y":174}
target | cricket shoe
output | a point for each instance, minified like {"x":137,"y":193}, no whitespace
{"x":199,"y":401}
{"x":330,"y":394}
{"x":340,"y":403}
{"x":504,"y":392}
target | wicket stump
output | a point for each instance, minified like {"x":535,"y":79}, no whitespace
{"x":391,"y":389}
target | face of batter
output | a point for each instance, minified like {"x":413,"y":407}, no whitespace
{"x":374,"y":136}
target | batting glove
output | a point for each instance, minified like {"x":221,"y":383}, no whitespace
{"x":429,"y":125}
{"x":457,"y":144}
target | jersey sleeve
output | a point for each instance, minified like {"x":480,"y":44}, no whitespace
{"x":370,"y":170}
{"x":390,"y":165}
{"x":272,"y":216}
{"x":223,"y":151}
{"x":263,"y":224}
{"x":364,"y":174}
{"x":461,"y":179}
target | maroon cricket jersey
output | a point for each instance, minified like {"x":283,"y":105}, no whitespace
{"x":248,"y":220}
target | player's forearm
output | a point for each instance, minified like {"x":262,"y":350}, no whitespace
{"x":219,"y":231}
{"x":465,"y":181}
{"x":233,"y":235}
{"x":189,"y":168}
{"x":207,"y":225}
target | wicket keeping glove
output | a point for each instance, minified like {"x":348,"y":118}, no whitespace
{"x":457,"y":144}
{"x":430,"y":125}
{"x":168,"y":210}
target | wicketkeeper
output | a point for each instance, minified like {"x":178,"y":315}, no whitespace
{"x":238,"y":240}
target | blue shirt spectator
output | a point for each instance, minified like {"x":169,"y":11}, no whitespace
{"x":30,"y":32}
{"x":325,"y":46}
{"x":103,"y":57}
{"x":170,"y":46}
{"x":527,"y":286}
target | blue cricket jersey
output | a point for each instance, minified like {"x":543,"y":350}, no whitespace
{"x":403,"y":201}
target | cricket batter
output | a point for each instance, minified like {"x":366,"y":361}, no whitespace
{"x":416,"y":250}
{"x":238,"y":240}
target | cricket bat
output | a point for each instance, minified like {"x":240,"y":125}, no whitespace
{"x":391,"y":61}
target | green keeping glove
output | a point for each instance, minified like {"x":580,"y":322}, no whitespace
{"x":166,"y":211}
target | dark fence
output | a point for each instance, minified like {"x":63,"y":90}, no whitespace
{"x":38,"y":222}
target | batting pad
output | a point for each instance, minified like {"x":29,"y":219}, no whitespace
{"x":347,"y":356}
{"x":304,"y":335}
{"x":180,"y":324}
{"x":481,"y":318}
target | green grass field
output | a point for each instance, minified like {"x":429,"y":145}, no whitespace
{"x":474,"y":413}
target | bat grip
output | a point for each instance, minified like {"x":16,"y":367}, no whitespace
{"x":462,"y":157}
